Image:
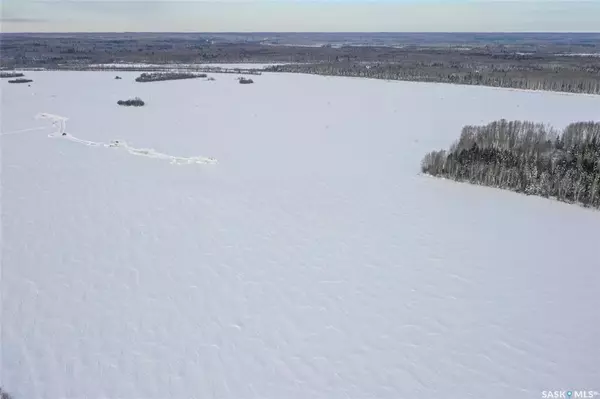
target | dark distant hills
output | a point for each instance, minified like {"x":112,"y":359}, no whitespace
{"x":568,"y":62}
{"x":575,"y":39}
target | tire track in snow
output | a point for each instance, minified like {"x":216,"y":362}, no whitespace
{"x":60,"y":122}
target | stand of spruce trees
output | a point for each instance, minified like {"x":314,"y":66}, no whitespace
{"x":526,"y":157}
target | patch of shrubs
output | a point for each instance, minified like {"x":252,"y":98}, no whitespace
{"x":134,"y":102}
{"x":245,"y":81}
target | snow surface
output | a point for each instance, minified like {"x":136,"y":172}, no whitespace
{"x":311,"y":261}
{"x":186,"y":66}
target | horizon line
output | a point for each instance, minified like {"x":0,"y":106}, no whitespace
{"x":305,"y":32}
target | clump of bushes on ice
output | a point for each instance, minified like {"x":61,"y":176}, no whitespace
{"x":160,"y":76}
{"x":20,"y":80}
{"x":245,"y":81}
{"x":526,"y":157}
{"x":4,"y":394}
{"x":135,"y":102}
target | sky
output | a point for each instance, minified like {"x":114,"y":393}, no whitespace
{"x":299,"y":16}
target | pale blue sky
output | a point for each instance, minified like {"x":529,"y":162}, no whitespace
{"x":298,"y":15}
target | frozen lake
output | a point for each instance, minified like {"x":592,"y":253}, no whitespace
{"x":309,"y":260}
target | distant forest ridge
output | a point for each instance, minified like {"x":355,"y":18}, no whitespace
{"x":568,"y":38}
{"x":526,"y":157}
{"x":567,"y":62}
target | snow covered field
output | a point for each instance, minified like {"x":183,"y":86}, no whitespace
{"x":311,"y":260}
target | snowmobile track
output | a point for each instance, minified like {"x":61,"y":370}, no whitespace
{"x":61,"y":122}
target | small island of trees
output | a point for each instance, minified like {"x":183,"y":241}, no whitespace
{"x":20,"y":80}
{"x":160,"y":76}
{"x":134,"y":102}
{"x":245,"y":81}
{"x":526,"y":157}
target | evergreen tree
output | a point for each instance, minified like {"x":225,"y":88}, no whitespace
{"x":526,"y":157}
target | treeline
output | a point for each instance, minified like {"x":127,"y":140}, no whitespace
{"x":526,"y":157}
{"x":532,"y":77}
{"x":159,"y":76}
